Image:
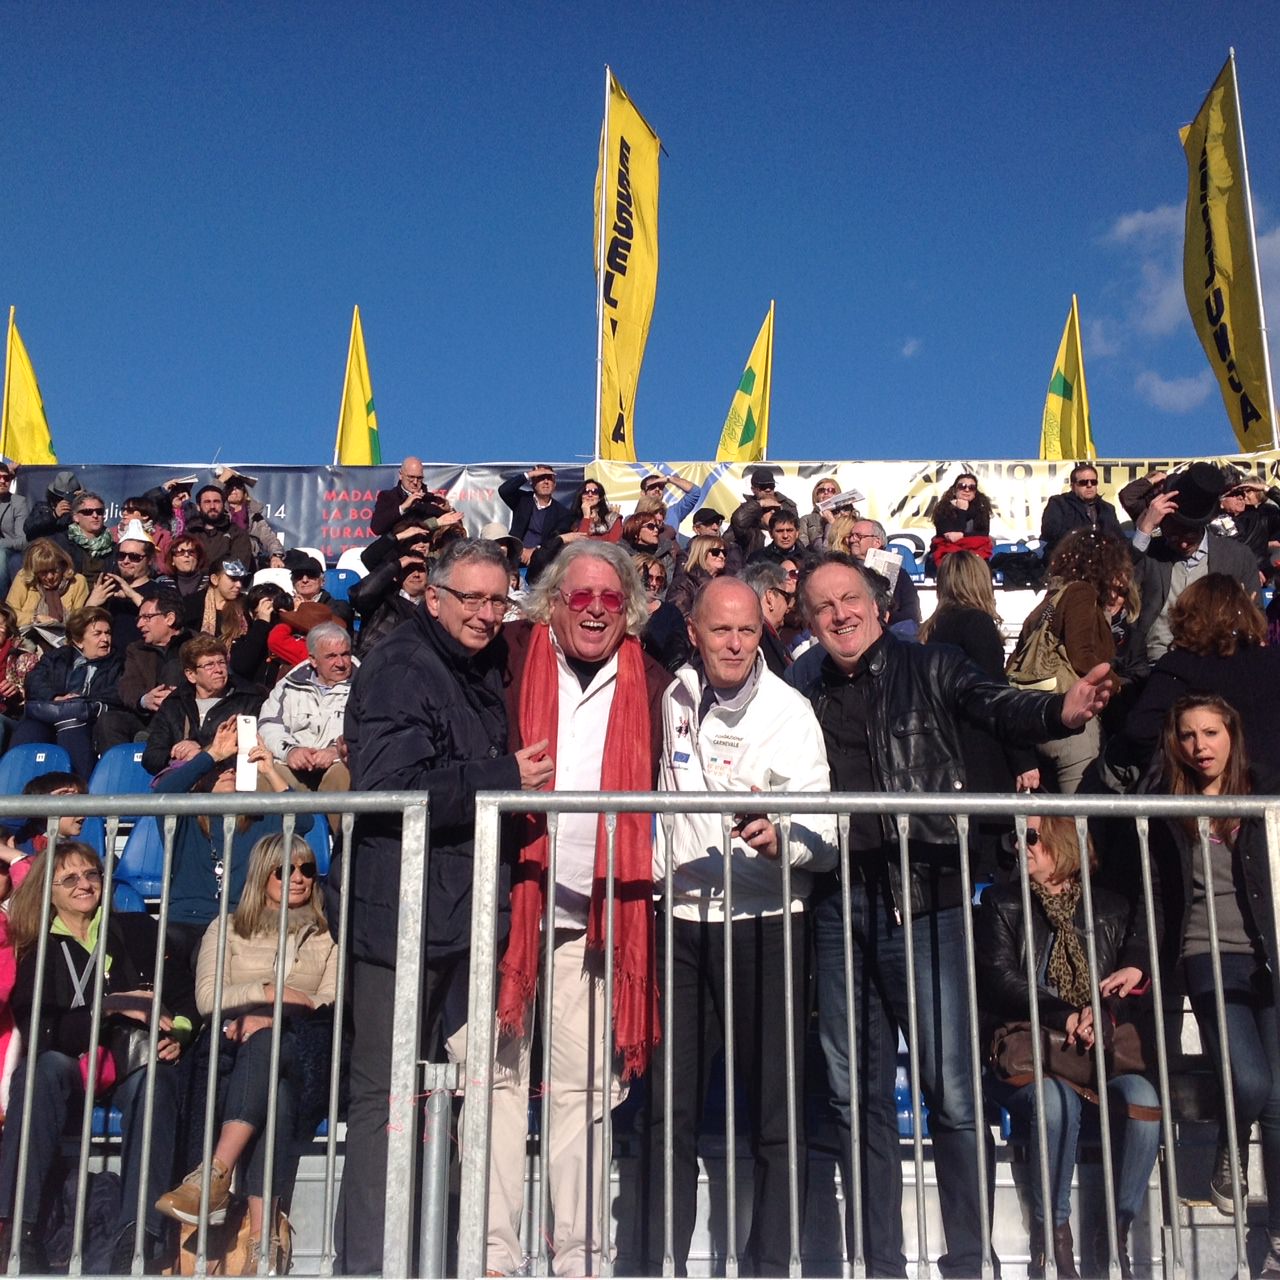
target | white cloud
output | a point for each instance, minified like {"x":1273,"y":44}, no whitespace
{"x":1148,"y":224}
{"x":1161,"y":300}
{"x":910,"y":348}
{"x":1101,"y":339}
{"x":1174,"y":395}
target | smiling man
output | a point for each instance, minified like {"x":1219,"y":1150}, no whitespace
{"x":892,"y":714}
{"x":731,"y":725}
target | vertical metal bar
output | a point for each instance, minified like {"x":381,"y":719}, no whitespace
{"x":29,"y":1083}
{"x":541,"y":1264}
{"x":265,"y":1258}
{"x":668,"y":1054}
{"x":435,"y":1171}
{"x":1037,"y":1057}
{"x":474,"y":1192}
{"x":1162,"y":1053}
{"x":76,"y":1262}
{"x":335,"y":1061}
{"x":853,"y":1192}
{"x":402,"y":1129}
{"x":730,"y":1128}
{"x":1220,"y":1011}
{"x":1099,"y":1047}
{"x":789,"y":1041}
{"x":148,"y":1102}
{"x":975,"y":1050}
{"x":215,"y":1044}
{"x":603,"y":1179}
{"x":913,"y":1047}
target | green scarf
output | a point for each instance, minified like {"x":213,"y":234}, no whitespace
{"x":1068,"y":966}
{"x":99,"y":546}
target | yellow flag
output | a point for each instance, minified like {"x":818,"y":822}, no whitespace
{"x":745,"y":437}
{"x":357,"y":444}
{"x":626,"y":265}
{"x":1219,"y":265}
{"x":24,"y":430}
{"x":1067,"y":430}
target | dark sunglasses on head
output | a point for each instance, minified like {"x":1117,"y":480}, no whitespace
{"x":307,"y":869}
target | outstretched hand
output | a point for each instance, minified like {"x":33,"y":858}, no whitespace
{"x":1087,"y":697}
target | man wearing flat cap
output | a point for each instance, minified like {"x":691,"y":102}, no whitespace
{"x":1173,"y":547}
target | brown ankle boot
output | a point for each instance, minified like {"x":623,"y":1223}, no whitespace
{"x":1064,"y":1252}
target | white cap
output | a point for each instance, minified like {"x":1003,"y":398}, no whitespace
{"x":134,"y":532}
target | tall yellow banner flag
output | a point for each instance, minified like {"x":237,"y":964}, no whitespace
{"x":1066,"y":430}
{"x":626,"y":266}
{"x":1220,"y":263}
{"x":745,"y":437}
{"x":357,"y":444}
{"x":24,"y":430}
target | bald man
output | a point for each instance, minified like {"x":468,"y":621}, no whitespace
{"x":406,"y":499}
{"x":729,"y":724}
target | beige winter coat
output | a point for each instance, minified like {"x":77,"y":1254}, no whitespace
{"x":311,"y":966}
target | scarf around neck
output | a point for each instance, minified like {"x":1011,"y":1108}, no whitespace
{"x":100,"y":546}
{"x":626,"y":767}
{"x":1068,"y":970}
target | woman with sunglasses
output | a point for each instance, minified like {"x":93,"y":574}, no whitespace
{"x":47,"y":588}
{"x":247,"y":1012}
{"x":57,"y":1064}
{"x":188,"y":568}
{"x":593,"y":515}
{"x":704,"y":559}
{"x":962,"y":520}
{"x":815,"y":526}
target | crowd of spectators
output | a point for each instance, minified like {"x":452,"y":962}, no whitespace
{"x":580,"y":648}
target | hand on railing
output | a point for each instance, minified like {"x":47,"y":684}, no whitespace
{"x":536,"y":767}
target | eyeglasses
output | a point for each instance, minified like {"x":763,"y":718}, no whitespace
{"x":657,"y":579}
{"x":764,"y":488}
{"x":583,"y":597}
{"x":651,"y":524}
{"x":131,"y":555}
{"x":212,"y":664}
{"x":146,"y":617}
{"x":793,"y":574}
{"x":656,"y":487}
{"x":827,"y":490}
{"x":305,"y":869}
{"x":1086,"y":484}
{"x":91,"y":877}
{"x":863,"y":537}
{"x":715,"y":551}
{"x":545,"y":475}
{"x":184,"y":551}
{"x":966,"y":488}
{"x":474,"y":601}
{"x":310,"y":577}
{"x":92,"y":511}
{"x":1033,"y":837}
{"x":593,"y":493}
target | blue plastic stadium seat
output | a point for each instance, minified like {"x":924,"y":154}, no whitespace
{"x":29,"y":760}
{"x":910,"y":561}
{"x":124,"y":897}
{"x":321,"y":844}
{"x":338,"y":582}
{"x":120,"y":773}
{"x":142,"y":862}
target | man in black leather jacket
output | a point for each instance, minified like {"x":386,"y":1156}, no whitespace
{"x":892,"y":714}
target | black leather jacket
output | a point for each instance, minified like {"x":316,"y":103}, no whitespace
{"x":1000,"y":951}
{"x":922,"y":698}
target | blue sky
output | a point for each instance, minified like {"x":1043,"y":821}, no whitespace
{"x":195,"y":196}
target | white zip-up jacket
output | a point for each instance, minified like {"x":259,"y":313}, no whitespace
{"x":302,"y":712}
{"x":766,"y":736}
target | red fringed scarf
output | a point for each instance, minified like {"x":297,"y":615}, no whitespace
{"x":626,"y":767}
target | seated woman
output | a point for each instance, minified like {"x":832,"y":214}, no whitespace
{"x":47,"y":588}
{"x":68,"y":688}
{"x":1203,"y":754}
{"x":55,"y":1066}
{"x":189,"y":571}
{"x":248,"y":995}
{"x":17,"y":656}
{"x":593,"y":516}
{"x":1063,"y":996}
{"x":705,"y":559}
{"x":962,"y":520}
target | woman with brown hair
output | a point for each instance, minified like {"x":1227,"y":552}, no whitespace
{"x":188,"y":567}
{"x":705,"y":559}
{"x":47,"y":588}
{"x":1090,"y":576}
{"x":962,"y":520}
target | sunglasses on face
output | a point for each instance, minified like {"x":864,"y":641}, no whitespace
{"x":715,"y":551}
{"x":1087,"y":484}
{"x":92,"y":511}
{"x":581,"y":599}
{"x":185,"y":551}
{"x":966,"y":488}
{"x":652,"y":526}
{"x":130,"y":555}
{"x":305,"y":869}
{"x":593,"y":493}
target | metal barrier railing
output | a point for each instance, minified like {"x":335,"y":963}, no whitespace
{"x":405,"y":1069}
{"x":473,"y":1225}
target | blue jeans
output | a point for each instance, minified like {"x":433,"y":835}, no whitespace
{"x":58,"y":1096}
{"x":1254,"y":1035}
{"x":1134,"y":1142}
{"x":880,"y":1013}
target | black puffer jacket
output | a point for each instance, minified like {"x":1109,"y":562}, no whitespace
{"x":922,"y":697}
{"x":424,"y":715}
{"x":1000,"y":951}
{"x":179,"y":719}
{"x":377,"y":599}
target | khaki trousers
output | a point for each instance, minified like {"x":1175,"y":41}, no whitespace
{"x":575,"y":1166}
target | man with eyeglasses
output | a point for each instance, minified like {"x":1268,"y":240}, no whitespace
{"x":189,"y":716}
{"x":407,"y":499}
{"x":152,"y":670}
{"x":537,"y":516}
{"x":14,"y":510}
{"x":777,"y":594}
{"x":1250,"y":515}
{"x":426,"y":712}
{"x":211,"y":525}
{"x":582,"y":686}
{"x":1081,"y":507}
{"x":904,"y":600}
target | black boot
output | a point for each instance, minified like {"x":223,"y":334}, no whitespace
{"x":1064,"y":1252}
{"x":1122,"y":1248}
{"x":1035,"y":1249}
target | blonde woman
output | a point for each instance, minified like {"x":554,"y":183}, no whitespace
{"x":704,"y":560}
{"x":815,"y":528}
{"x":47,"y":587}
{"x":248,"y":997}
